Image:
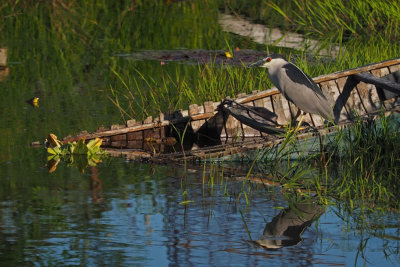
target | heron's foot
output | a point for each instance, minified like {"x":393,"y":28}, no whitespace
{"x":300,"y":125}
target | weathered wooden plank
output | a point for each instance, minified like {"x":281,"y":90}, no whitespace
{"x":131,"y":123}
{"x":293,"y":110}
{"x":118,"y":141}
{"x":364,"y":90}
{"x":117,"y":126}
{"x":356,"y":102}
{"x":392,"y":104}
{"x":185,"y":113}
{"x":133,"y":136}
{"x":270,"y":92}
{"x":118,"y":144}
{"x":151,"y":147}
{"x":286,"y":110}
{"x":135,"y":144}
{"x":384,"y":72}
{"x":115,"y":132}
{"x":278,"y":109}
{"x":162,"y":117}
{"x":316,"y":120}
{"x":328,"y":92}
{"x":249,"y":132}
{"x":394,"y":68}
{"x":309,"y":119}
{"x":259,"y":102}
{"x":196,"y":124}
{"x":120,"y":137}
{"x":106,"y":141}
{"x":148,"y":120}
{"x":232,"y":127}
{"x":203,"y":116}
{"x":208,"y":107}
{"x":193,"y":109}
{"x":344,"y":86}
{"x":382,"y":83}
{"x":374,"y":96}
{"x":215,"y":106}
{"x":101,"y":129}
{"x":268,"y":104}
{"x":152,"y":134}
{"x":340,"y":74}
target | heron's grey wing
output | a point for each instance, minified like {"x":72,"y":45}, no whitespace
{"x":298,"y":76}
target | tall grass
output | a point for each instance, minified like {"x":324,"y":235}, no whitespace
{"x":326,"y":19}
{"x":355,"y":18}
{"x":176,"y":86}
{"x":366,"y":31}
{"x":369,"y":164}
{"x":359,"y":165}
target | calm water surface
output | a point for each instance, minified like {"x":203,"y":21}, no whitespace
{"x":128,"y":213}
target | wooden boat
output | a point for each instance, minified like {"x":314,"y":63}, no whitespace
{"x":216,"y":130}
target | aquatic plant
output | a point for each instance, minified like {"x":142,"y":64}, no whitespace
{"x":76,"y":153}
{"x":359,"y":164}
{"x":369,"y":163}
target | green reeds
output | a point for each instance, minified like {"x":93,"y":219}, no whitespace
{"x":325,"y":19}
{"x":369,"y":164}
{"x":362,"y":166}
{"x":178,"y":86}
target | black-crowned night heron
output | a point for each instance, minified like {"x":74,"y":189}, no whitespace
{"x":296,"y":86}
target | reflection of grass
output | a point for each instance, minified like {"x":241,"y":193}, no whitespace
{"x":360,"y":164}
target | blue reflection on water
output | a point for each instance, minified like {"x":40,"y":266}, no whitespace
{"x":138,"y":220}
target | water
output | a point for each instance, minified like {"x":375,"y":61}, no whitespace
{"x":130,"y":213}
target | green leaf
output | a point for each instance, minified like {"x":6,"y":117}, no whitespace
{"x":81,"y":162}
{"x":186,"y":202}
{"x":54,"y":150}
{"x":94,"y":145}
{"x":80,"y":148}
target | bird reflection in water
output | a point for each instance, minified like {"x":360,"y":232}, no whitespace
{"x":286,"y":228}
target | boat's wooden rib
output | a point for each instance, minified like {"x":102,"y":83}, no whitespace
{"x":209,"y":130}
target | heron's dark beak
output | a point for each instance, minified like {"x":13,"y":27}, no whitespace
{"x":256,"y":64}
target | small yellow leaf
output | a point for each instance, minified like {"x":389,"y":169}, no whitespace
{"x":94,"y":143}
{"x":228,"y":55}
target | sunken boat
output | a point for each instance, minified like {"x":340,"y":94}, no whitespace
{"x":236,"y":129}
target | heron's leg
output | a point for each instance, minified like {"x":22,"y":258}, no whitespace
{"x":298,"y":127}
{"x":293,"y":121}
{"x":301,"y":118}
